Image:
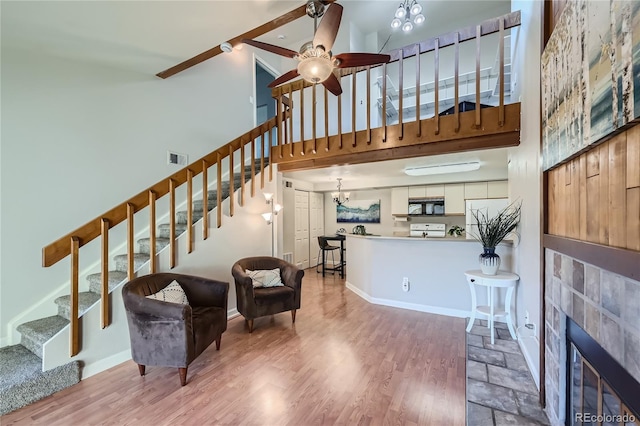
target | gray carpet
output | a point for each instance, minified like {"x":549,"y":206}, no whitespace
{"x":22,"y":381}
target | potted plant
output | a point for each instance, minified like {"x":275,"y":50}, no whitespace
{"x":455,"y":231}
{"x":491,"y":231}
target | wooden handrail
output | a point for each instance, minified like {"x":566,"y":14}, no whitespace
{"x":59,"y":249}
{"x":397,"y":126}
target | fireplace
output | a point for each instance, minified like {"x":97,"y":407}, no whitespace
{"x":599,"y":390}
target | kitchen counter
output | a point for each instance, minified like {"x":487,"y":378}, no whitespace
{"x":460,"y":239}
{"x":434,"y":267}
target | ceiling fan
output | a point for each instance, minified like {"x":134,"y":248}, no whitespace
{"x":316,"y":62}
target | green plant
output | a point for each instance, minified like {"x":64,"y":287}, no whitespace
{"x":455,"y":230}
{"x":491,"y":231}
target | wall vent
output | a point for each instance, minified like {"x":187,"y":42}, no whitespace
{"x":288,"y":257}
{"x":177,"y":158}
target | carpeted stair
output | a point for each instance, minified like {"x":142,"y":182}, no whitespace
{"x":22,"y":380}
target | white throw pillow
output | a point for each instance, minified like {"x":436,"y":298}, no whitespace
{"x":172,"y":293}
{"x":265,"y":278}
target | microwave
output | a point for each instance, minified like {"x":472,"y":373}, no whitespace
{"x":426,"y":206}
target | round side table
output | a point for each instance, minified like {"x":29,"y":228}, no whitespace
{"x":502,"y":279}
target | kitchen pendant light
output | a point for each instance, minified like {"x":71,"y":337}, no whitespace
{"x":340,"y":197}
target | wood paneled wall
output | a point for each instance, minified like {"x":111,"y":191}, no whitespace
{"x":596,"y":196}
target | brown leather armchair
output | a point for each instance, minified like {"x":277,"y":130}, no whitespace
{"x":171,"y":334}
{"x":258,"y":302}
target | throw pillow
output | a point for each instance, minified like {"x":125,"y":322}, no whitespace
{"x":172,"y":293}
{"x":265,"y":278}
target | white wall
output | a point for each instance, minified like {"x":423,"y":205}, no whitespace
{"x":525,"y":174}
{"x":78,"y":139}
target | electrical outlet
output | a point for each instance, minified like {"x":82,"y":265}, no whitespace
{"x":405,"y":284}
{"x":526,"y":317}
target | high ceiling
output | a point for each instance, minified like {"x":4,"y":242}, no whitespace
{"x":150,"y":36}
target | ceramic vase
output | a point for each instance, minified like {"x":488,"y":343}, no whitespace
{"x":489,"y":261}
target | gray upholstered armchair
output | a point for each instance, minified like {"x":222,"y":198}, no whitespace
{"x":173,"y":334}
{"x":258,"y":302}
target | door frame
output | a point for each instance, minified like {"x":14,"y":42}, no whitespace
{"x":257,"y":60}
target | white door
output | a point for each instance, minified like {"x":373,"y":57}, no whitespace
{"x":301,"y":254}
{"x":316,"y":225}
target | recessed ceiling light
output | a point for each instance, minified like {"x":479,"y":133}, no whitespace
{"x":226,"y":47}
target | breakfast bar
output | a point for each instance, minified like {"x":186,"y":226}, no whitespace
{"x":433,"y":267}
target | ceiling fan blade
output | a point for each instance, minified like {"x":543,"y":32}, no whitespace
{"x":271,"y":48}
{"x":348,"y":60}
{"x":328,"y":28}
{"x":333,"y":84}
{"x":284,"y":78}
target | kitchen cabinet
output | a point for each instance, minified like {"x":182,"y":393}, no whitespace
{"x":423,"y":191}
{"x":498,"y":189}
{"x":454,"y":199}
{"x":475,"y":190}
{"x":417,"y":192}
{"x":435,"y":190}
{"x":400,"y":200}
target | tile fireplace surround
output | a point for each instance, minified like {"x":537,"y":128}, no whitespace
{"x":604,"y":304}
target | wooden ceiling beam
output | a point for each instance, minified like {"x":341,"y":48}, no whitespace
{"x":254,"y":33}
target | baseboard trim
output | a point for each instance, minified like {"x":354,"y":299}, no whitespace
{"x":410,"y":306}
{"x":535,"y":373}
{"x":232,"y":313}
{"x":105,"y":364}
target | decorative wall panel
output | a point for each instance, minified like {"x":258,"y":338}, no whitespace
{"x":590,"y":76}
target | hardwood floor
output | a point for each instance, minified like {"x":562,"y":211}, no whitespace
{"x":345,"y":362}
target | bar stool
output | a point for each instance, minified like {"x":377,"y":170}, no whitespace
{"x":324,"y":248}
{"x":502,"y":279}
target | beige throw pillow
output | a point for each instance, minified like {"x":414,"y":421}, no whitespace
{"x":172,"y":293}
{"x":265,"y":278}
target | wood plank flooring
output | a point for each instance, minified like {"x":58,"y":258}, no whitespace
{"x":344,"y":362}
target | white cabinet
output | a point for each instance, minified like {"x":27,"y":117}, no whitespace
{"x":417,"y":191}
{"x":426,"y":191}
{"x":435,"y":190}
{"x":454,"y":199}
{"x":475,"y":190}
{"x":498,"y":189}
{"x":400,"y":200}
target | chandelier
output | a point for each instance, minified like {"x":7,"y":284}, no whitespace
{"x":409,"y":10}
{"x":340,"y":197}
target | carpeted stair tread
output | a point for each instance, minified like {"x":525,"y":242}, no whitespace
{"x":86,"y":299}
{"x":181,"y":218}
{"x":115,"y":278}
{"x":164,"y":230}
{"x":143,"y":244}
{"x":35,"y":333}
{"x":122,"y":261}
{"x":23,"y":381}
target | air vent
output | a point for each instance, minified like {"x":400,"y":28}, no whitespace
{"x":177,"y":158}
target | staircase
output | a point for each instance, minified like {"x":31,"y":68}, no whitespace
{"x":22,"y":379}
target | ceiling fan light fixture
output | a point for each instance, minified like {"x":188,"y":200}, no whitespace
{"x":401,"y":12}
{"x":226,"y":47}
{"x":396,"y":23}
{"x":315,"y":65}
{"x":416,"y":9}
{"x":407,"y":26}
{"x":419,"y":19}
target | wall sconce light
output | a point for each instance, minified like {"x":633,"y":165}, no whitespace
{"x":269,"y":217}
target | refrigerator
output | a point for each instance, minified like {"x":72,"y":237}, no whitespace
{"x":489,"y":207}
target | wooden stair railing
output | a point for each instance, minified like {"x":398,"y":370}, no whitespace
{"x":411,"y":130}
{"x":70,"y":244}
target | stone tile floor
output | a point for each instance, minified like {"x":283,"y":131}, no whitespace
{"x":500,"y":389}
